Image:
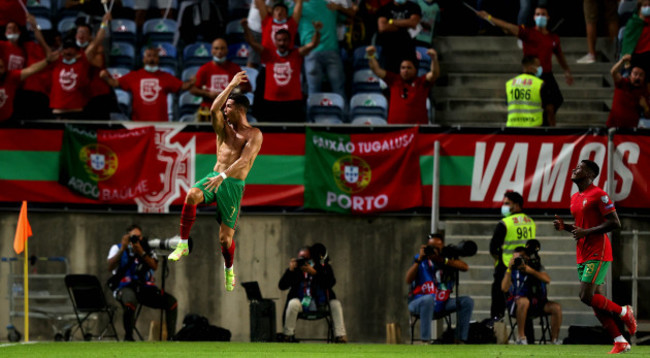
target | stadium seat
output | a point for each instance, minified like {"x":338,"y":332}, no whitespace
{"x":40,"y":8}
{"x":325,"y":107}
{"x":124,"y":30}
{"x":117,"y":72}
{"x":252,"y":76}
{"x":189,"y":72}
{"x":366,"y":81}
{"x":368,"y":104}
{"x":44,"y":23}
{"x":625,"y":10}
{"x":369,"y":121}
{"x":159,"y":30}
{"x":167,"y":52}
{"x":122,"y":54}
{"x":196,"y":54}
{"x":188,"y":103}
{"x":238,"y":53}
{"x":66,"y":24}
{"x":359,"y":59}
{"x":169,"y":69}
{"x":234,"y":32}
{"x":87,"y":296}
{"x":423,"y":58}
{"x":413,"y":319}
{"x":187,"y":118}
{"x":124,"y":102}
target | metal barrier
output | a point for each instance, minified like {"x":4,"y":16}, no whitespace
{"x":635,"y":278}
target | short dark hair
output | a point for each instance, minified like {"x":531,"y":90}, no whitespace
{"x":240,"y":100}
{"x":133,"y":226}
{"x":528,"y":60}
{"x":412,"y":60}
{"x":593,"y":167}
{"x":515,"y":198}
{"x":520,"y":249}
{"x":281,"y":4}
{"x":283,"y":31}
{"x":70,"y":43}
{"x":437,"y":235}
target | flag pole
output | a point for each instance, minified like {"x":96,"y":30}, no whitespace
{"x":26,"y":292}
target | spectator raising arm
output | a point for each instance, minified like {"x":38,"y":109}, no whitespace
{"x":106,"y":76}
{"x":39,"y":66}
{"x":256,"y":46}
{"x":315,"y":40}
{"x":616,"y":69}
{"x":509,"y":28}
{"x":99,"y":38}
{"x":38,"y":35}
{"x":434,"y":73}
{"x":371,"y":54}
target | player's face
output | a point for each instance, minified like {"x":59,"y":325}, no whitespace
{"x":637,"y":76}
{"x":580,"y":172}
{"x":230,"y":109}
{"x":219,"y":48}
{"x":151,"y":57}
{"x":407,"y":70}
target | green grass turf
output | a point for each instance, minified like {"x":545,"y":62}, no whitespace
{"x":209,"y":349}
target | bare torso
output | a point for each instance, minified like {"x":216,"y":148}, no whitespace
{"x":230,"y":148}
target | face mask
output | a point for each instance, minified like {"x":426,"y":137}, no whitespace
{"x":281,"y":54}
{"x":80,"y":44}
{"x":540,"y":21}
{"x":12,"y":37}
{"x":150,"y":68}
{"x":539,"y":71}
{"x":505,"y":210}
{"x":70,"y":61}
{"x":280,"y":22}
{"x":645,"y":10}
{"x":400,"y":2}
{"x":219,"y":59}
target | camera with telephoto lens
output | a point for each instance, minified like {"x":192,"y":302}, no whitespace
{"x":518,"y":262}
{"x":431,"y":250}
{"x":301,"y":261}
{"x":134,"y":239}
{"x":465,"y":248}
{"x":169,"y":244}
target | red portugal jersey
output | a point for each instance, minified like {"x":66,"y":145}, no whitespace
{"x":13,"y":56}
{"x":215,"y":77}
{"x":282,"y":75}
{"x":70,"y":84}
{"x":8,"y":93}
{"x":408,"y":101}
{"x":269,"y":28}
{"x":150,"y":92}
{"x":589,"y":209}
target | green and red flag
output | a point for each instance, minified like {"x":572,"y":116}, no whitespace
{"x":110,"y":165}
{"x":362,"y":173}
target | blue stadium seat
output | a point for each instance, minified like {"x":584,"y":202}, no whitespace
{"x":325,"y":107}
{"x":369,"y":121}
{"x":234,"y":32}
{"x":188,"y":103}
{"x":167,"y":52}
{"x":197,"y":54}
{"x":190,"y":117}
{"x":124,"y":30}
{"x":117,"y":72}
{"x":124,"y":102}
{"x":252,"y":76}
{"x":66,"y":24}
{"x":122,"y":54}
{"x":189,"y":72}
{"x":42,"y":8}
{"x":159,"y":30}
{"x":168,"y":69}
{"x":44,"y":23}
{"x":423,"y":57}
{"x":359,"y":60}
{"x":366,"y":81}
{"x":238,"y":53}
{"x":368,"y":104}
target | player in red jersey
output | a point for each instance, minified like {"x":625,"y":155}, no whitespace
{"x":595,"y":216}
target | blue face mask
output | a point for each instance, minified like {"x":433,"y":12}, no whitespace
{"x":70,"y":61}
{"x":541,"y":21}
{"x":645,"y":10}
{"x":219,"y":59}
{"x":280,"y":22}
{"x":505,"y":210}
{"x":539,"y":71}
{"x":150,"y":68}
{"x":281,"y":54}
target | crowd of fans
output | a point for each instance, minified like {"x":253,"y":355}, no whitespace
{"x":290,"y":49}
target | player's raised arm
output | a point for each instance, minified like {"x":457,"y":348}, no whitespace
{"x":220,"y":101}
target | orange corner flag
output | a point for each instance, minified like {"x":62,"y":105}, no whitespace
{"x":23,"y":230}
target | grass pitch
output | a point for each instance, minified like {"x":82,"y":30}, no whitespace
{"x":238,"y":349}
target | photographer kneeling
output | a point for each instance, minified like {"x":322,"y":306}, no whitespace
{"x":432,"y":278}
{"x":525,"y":283}
{"x":310,"y":279}
{"x":133,"y":263}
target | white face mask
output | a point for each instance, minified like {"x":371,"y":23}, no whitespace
{"x":150,"y":68}
{"x":219,"y":59}
{"x":645,"y":10}
{"x":505,"y":210}
{"x":70,"y":61}
{"x":539,"y":71}
{"x":81,"y":44}
{"x":12,"y":37}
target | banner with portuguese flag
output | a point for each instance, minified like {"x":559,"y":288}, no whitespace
{"x":362,"y":173}
{"x":110,"y":165}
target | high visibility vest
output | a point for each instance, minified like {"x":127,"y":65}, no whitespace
{"x":519,"y":229}
{"x":524,"y":101}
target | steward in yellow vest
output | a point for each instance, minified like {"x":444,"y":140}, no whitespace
{"x":513,"y":231}
{"x":524,"y":95}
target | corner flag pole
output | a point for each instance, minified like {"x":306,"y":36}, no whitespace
{"x":26,"y":292}
{"x":23,"y":231}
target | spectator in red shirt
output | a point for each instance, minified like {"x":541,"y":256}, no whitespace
{"x":283,"y":99}
{"x":149,"y":87}
{"x":214,"y":76}
{"x":10,"y":80}
{"x":541,"y":43}
{"x":408,"y":92}
{"x":630,"y":96}
{"x":102,"y":99}
{"x":70,"y":80}
{"x":278,"y":19}
{"x":12,"y":50}
{"x":636,"y":38}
